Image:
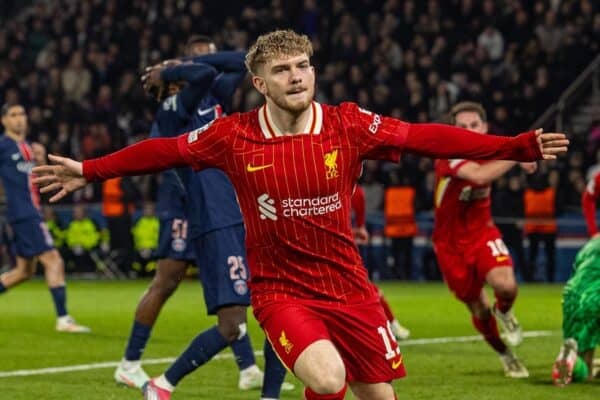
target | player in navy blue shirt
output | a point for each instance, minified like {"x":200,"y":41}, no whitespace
{"x":206,"y":202}
{"x":31,"y":238}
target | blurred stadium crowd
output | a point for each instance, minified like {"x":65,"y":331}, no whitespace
{"x":76,"y":65}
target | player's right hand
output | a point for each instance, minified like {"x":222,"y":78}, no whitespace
{"x":64,"y":176}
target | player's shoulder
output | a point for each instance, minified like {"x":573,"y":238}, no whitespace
{"x":347,"y":108}
{"x":5,"y":142}
{"x":244,"y":121}
{"x":346,"y":113}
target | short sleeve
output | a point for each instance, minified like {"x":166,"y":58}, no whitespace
{"x":454,"y":165}
{"x":208,"y":146}
{"x":377,"y":137}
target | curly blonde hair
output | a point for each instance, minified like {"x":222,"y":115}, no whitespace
{"x":276,"y":44}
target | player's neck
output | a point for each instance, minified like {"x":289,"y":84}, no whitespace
{"x":15,"y":136}
{"x":287,"y":122}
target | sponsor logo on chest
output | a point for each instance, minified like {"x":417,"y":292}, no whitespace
{"x":290,"y":207}
{"x":331,"y":164}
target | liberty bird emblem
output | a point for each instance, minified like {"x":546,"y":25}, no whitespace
{"x":331,"y":164}
{"x":285,"y":343}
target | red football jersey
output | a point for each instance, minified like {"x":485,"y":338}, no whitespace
{"x":462,"y":208}
{"x":294,"y":192}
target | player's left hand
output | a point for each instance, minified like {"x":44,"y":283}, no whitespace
{"x":65,"y":176}
{"x":551,"y":144}
{"x":39,"y":153}
{"x":361,"y":235}
{"x":528,"y":167}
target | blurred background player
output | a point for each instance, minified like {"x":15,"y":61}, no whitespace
{"x":469,"y":247}
{"x":32,"y":239}
{"x":581,"y":318}
{"x":361,"y":237}
{"x":215,"y":235}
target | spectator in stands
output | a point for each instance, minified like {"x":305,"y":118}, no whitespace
{"x":492,"y":42}
{"x":76,"y":79}
{"x":549,"y":34}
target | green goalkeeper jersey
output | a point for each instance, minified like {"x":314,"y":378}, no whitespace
{"x":581,"y":298}
{"x":586,"y":270}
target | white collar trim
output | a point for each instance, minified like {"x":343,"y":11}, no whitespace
{"x":314,"y":123}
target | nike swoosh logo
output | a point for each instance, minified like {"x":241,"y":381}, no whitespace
{"x":206,"y":111}
{"x":396,"y":364}
{"x":252,"y":168}
{"x":501,"y":258}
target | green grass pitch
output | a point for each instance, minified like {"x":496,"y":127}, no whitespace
{"x":445,"y":371}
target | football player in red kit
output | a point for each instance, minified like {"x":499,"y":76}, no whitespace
{"x":469,"y":247}
{"x":293,"y":163}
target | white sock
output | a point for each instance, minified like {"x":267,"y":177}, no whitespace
{"x":130,"y":365}
{"x":64,"y":319}
{"x":163,"y":383}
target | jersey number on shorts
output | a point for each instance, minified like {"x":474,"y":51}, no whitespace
{"x":237,"y":269}
{"x":497,"y":247}
{"x":389,"y":341}
{"x":179,"y":229}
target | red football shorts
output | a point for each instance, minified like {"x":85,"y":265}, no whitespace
{"x":360,"y":333}
{"x":465,"y":267}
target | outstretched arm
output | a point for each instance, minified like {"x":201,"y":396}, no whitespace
{"x":385,"y":138}
{"x":445,"y":141}
{"x":147,"y":156}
